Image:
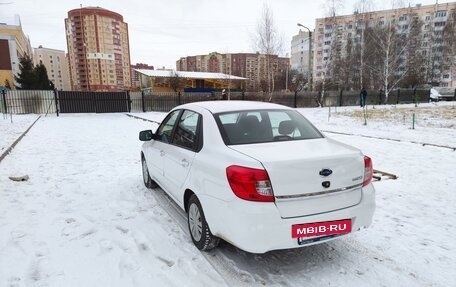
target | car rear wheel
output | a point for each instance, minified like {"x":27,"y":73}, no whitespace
{"x":148,"y":182}
{"x":198,"y":227}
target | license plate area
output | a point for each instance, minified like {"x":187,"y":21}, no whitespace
{"x":317,"y":231}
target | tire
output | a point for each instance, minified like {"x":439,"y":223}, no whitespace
{"x":148,"y":182}
{"x":198,"y":227}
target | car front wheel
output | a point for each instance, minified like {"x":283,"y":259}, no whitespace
{"x":148,"y":182}
{"x":198,"y":227}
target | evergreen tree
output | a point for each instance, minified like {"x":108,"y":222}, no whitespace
{"x":26,"y":76}
{"x":41,"y":77}
{"x":32,"y":77}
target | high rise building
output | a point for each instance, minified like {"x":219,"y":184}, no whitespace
{"x":98,"y":50}
{"x":248,"y":65}
{"x":300,"y":52}
{"x":427,"y":33}
{"x":56,"y":66}
{"x":14,"y":44}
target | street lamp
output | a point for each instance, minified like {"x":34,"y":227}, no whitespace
{"x":310,"y":53}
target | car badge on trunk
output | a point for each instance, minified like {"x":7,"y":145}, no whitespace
{"x":325,"y":172}
{"x":326,"y":184}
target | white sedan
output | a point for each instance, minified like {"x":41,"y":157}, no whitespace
{"x":257,"y":175}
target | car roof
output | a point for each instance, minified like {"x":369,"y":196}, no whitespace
{"x":227,"y":106}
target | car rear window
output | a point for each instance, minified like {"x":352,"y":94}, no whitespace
{"x":261,"y":126}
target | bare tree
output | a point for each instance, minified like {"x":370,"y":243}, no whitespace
{"x":391,"y":48}
{"x":176,"y":82}
{"x":363,"y":7}
{"x":268,"y":41}
{"x":442,"y":48}
{"x":297,"y":81}
{"x":396,"y":4}
{"x":416,"y":60}
{"x":330,"y":65}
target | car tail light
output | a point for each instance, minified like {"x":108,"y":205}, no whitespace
{"x":368,"y":170}
{"x":250,"y":183}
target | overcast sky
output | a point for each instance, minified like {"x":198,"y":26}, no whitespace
{"x":163,"y":31}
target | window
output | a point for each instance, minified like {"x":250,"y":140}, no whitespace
{"x":440,"y":14}
{"x":166,"y":128}
{"x":246,"y":127}
{"x":187,"y":130}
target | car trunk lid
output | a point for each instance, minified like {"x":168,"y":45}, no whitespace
{"x":310,"y":176}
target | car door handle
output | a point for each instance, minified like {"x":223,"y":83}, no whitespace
{"x":184,"y":163}
{"x":162,"y":153}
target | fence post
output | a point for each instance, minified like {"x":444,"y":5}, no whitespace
{"x":56,"y":103}
{"x":340,"y":97}
{"x":128,"y":101}
{"x":178,"y":98}
{"x":142,"y":102}
{"x":295,"y":99}
{"x":4,"y":101}
{"x":398,"y":96}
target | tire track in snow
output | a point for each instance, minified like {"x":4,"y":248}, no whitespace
{"x":226,"y":268}
{"x":390,"y":139}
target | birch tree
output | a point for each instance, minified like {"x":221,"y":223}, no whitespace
{"x":416,"y":61}
{"x":391,"y":50}
{"x":330,"y":60}
{"x":268,"y":41}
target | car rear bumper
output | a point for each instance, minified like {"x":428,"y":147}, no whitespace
{"x":257,"y":227}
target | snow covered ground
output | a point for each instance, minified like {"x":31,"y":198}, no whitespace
{"x":11,"y":128}
{"x":84,"y":218}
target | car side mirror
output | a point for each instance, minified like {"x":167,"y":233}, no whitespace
{"x":146,"y":135}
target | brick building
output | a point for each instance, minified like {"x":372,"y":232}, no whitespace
{"x":247,"y":65}
{"x":98,"y":49}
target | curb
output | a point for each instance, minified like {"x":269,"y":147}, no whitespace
{"x":8,"y":150}
{"x":139,"y":118}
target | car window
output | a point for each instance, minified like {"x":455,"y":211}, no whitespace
{"x":245,"y":127}
{"x":186,"y":130}
{"x":276,"y":119}
{"x":166,"y":128}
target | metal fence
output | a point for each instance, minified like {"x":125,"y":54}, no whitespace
{"x":41,"y":102}
{"x":27,"y":102}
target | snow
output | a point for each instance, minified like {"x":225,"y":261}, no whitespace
{"x":84,"y":218}
{"x":12,"y":126}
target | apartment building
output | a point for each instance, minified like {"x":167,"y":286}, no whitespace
{"x":14,"y":44}
{"x":435,"y":43}
{"x":248,"y":65}
{"x":301,"y":50}
{"x":56,"y":66}
{"x":98,"y":50}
